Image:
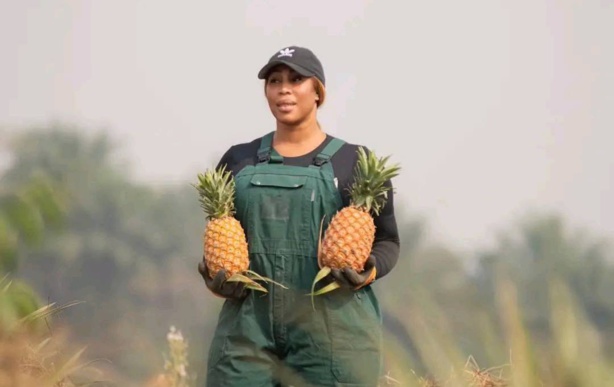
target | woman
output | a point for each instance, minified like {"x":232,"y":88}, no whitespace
{"x":303,"y":174}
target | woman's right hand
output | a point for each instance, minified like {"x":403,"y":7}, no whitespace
{"x":219,"y":286}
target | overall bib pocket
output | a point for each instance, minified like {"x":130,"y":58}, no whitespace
{"x":277,"y":206}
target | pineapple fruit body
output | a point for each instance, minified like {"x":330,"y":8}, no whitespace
{"x":348,"y":239}
{"x":225,"y":247}
{"x":224,"y":240}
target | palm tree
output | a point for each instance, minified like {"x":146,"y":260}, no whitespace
{"x":29,"y":209}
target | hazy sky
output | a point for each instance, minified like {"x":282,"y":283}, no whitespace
{"x":493,"y":108}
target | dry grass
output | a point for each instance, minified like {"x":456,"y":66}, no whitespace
{"x":484,"y":377}
{"x":29,"y":359}
{"x":572,"y":356}
{"x":474,"y":377}
{"x":33,"y":355}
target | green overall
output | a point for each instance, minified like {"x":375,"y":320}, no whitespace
{"x":277,"y":338}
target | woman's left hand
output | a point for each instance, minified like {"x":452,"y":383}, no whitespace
{"x":349,"y":278}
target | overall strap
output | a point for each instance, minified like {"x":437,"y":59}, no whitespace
{"x":266,"y":153}
{"x":327,"y":153}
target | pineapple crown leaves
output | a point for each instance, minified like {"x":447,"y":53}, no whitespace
{"x":216,"y":189}
{"x":369,"y":190}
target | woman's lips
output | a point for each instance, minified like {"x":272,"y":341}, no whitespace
{"x":285,"y":107}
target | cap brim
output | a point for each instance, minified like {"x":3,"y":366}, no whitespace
{"x":262,"y":74}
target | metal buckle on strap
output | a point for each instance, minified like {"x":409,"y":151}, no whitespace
{"x":264,"y":157}
{"x":319,"y":161}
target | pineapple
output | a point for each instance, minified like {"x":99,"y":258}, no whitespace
{"x":349,"y":237}
{"x":225,"y":243}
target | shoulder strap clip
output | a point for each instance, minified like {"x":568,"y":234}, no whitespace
{"x":327,"y":153}
{"x":264,"y":155}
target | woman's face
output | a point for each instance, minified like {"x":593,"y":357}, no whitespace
{"x":292,"y":97}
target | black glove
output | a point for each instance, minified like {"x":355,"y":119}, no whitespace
{"x":349,"y":279}
{"x":219,"y":286}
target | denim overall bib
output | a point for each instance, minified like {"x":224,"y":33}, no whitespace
{"x":278,"y":339}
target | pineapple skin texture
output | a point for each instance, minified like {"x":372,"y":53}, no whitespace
{"x":225,"y":247}
{"x":348,"y":239}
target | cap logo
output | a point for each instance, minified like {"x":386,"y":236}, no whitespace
{"x":285,"y":52}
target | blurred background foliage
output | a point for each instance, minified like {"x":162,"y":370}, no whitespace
{"x":75,"y":226}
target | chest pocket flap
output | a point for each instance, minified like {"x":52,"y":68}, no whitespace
{"x":280,"y":181}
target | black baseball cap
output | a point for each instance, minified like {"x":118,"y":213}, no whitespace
{"x":300,"y":59}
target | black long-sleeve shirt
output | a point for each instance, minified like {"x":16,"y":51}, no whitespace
{"x":386,"y":245}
